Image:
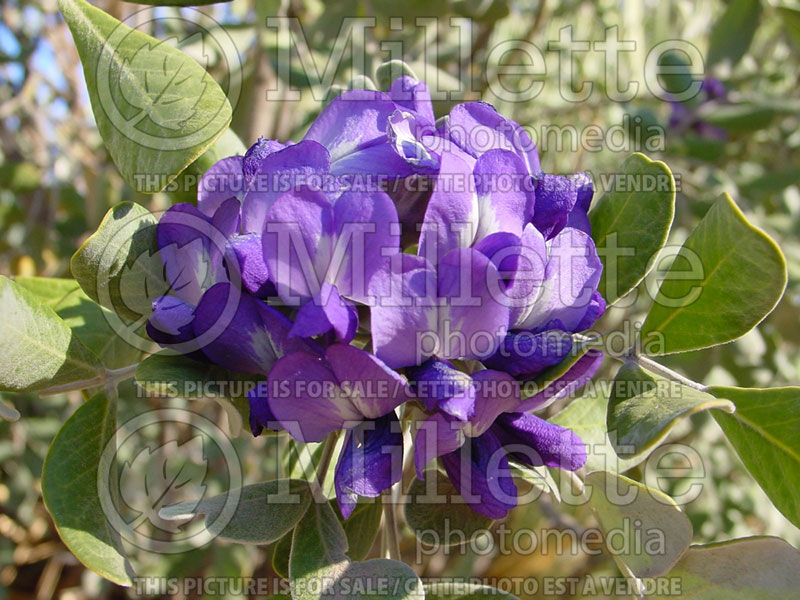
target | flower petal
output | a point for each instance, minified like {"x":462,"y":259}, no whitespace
{"x":480,"y":473}
{"x":240,"y":333}
{"x":436,"y":436}
{"x":528,"y":353}
{"x":451,"y":218}
{"x":353,"y":129}
{"x":477,"y":127}
{"x":496,"y":393}
{"x":535,"y":442}
{"x":222,"y":181}
{"x":441,"y":386}
{"x":371,"y":461}
{"x":297,"y":243}
{"x":305,"y":164}
{"x":413,"y":95}
{"x":305,"y":397}
{"x":367,"y":234}
{"x":505,"y":195}
{"x":373,"y":388}
{"x":261,"y":416}
{"x":556,"y":196}
{"x":571,"y":278}
{"x":404,"y":320}
{"x":249,"y":252}
{"x":473,"y":318}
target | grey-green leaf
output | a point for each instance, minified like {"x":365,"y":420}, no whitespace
{"x":156,"y":108}
{"x":643,"y":408}
{"x":586,"y":416}
{"x":118,"y":266}
{"x":765,"y":434}
{"x":644,"y":528}
{"x":437,"y":515}
{"x":70,"y":489}
{"x":727,"y":277}
{"x":40,"y":350}
{"x":319,"y":546}
{"x":755,"y":568}
{"x":630,"y":223}
{"x":87,"y":319}
{"x":263,"y":514}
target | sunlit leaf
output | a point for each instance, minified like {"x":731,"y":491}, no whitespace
{"x":70,"y":488}
{"x":727,"y":277}
{"x":764,"y":431}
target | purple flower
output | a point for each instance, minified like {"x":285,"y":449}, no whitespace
{"x":505,"y":271}
{"x":476,"y":426}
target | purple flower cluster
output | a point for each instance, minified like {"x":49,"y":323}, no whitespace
{"x":390,"y":259}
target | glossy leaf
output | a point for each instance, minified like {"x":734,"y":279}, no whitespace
{"x":264,"y":513}
{"x":156,"y":108}
{"x":765,"y":434}
{"x":630,"y":223}
{"x":739,"y":275}
{"x":439,"y":516}
{"x":118,"y":266}
{"x":586,"y":416}
{"x":70,"y":489}
{"x":39,"y":349}
{"x":755,"y":568}
{"x":650,"y":532}
{"x":643,"y":408}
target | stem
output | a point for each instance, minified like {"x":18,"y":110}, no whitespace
{"x":325,"y":459}
{"x":108,"y":377}
{"x":390,"y":529}
{"x":659,"y":369}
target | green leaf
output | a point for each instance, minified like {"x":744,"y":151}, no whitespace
{"x":644,"y":528}
{"x":319,"y":566}
{"x":319,"y":546}
{"x":39,"y":349}
{"x":156,"y":108}
{"x":586,"y":416}
{"x":755,"y":568}
{"x":791,"y":22}
{"x":362,"y":527}
{"x":177,"y":376}
{"x":630,"y":223}
{"x":765,"y":435}
{"x":733,"y":32}
{"x":8,"y":412}
{"x":70,"y":489}
{"x":644,"y":407}
{"x":387,"y":72}
{"x":280,"y":555}
{"x":741,"y":117}
{"x":264,"y":513}
{"x":87,"y":319}
{"x":440,"y":517}
{"x":119,"y":266}
{"x":742,"y":278}
{"x":464,"y":591}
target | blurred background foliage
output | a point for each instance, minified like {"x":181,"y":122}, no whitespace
{"x":57,"y":181}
